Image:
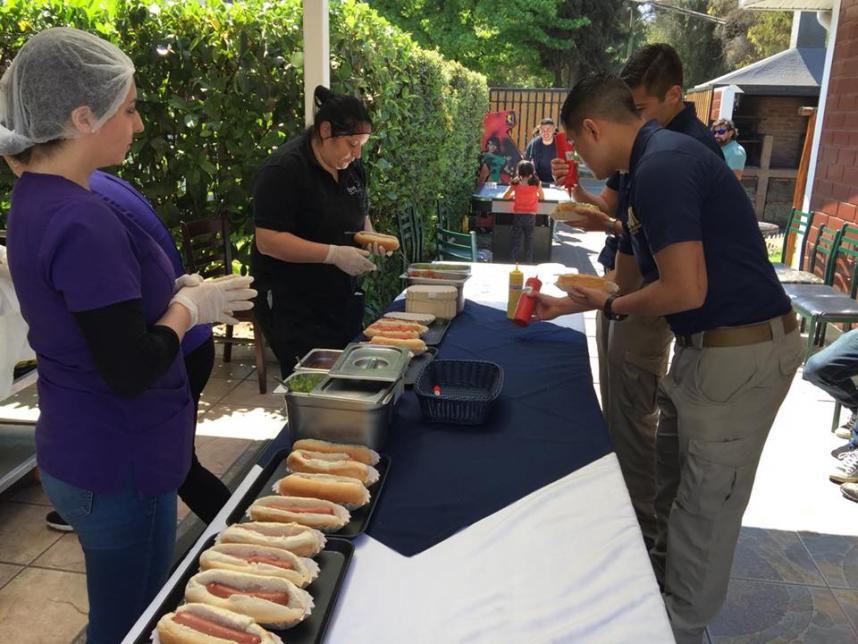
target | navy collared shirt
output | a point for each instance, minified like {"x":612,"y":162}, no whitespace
{"x":679,"y":192}
{"x":686,"y":122}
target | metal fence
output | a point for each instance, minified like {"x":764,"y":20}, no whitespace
{"x":530,"y":107}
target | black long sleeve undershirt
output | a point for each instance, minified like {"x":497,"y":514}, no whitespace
{"x":128,"y":354}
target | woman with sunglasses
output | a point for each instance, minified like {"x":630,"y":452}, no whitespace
{"x":734,"y":154}
{"x":309,"y":198}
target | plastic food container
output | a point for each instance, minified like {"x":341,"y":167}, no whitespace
{"x":458,"y":391}
{"x":458,"y":283}
{"x":442,"y":301}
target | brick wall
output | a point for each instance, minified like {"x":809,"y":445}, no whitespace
{"x":834,"y":197}
{"x":778,"y":116}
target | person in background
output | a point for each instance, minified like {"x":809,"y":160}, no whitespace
{"x":492,"y":163}
{"x":725,"y":134}
{"x":309,"y":198}
{"x":526,"y":192}
{"x":737,"y":340}
{"x":541,"y":150}
{"x":832,"y":370}
{"x":106,"y":317}
{"x":633,"y":354}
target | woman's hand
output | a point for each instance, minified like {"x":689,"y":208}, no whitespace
{"x":349,"y":260}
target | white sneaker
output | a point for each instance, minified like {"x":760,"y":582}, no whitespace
{"x":845,"y":430}
{"x":846,"y":470}
{"x":850,"y":491}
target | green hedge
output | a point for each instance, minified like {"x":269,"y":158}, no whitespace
{"x":221,"y":85}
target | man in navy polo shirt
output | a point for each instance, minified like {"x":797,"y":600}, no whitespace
{"x":633,"y":355}
{"x":738,"y":345}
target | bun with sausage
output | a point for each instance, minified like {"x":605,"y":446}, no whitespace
{"x":341,"y":464}
{"x":414,"y":345}
{"x":567,"y":211}
{"x":294,"y":537}
{"x":348,"y":492}
{"x":357,"y":452}
{"x":315,"y":513}
{"x":569,"y":281}
{"x":260,"y":560}
{"x":272,"y":601}
{"x":389,"y":243}
{"x":203,"y":624}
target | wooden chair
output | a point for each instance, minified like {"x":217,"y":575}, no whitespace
{"x":208,"y":252}
{"x":797,"y":226}
{"x":456,"y":246}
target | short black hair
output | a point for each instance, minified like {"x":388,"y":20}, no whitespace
{"x":655,"y":67}
{"x":598,"y":95}
{"x":345,"y":113}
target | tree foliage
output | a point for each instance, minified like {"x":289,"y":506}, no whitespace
{"x":221,"y":85}
{"x":749,"y":36}
{"x":518,"y":42}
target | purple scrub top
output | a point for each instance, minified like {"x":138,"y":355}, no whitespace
{"x":69,"y":252}
{"x":126,"y":202}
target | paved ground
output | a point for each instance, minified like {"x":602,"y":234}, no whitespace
{"x":795,"y":577}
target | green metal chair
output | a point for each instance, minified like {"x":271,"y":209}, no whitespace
{"x":797,"y":226}
{"x":410,"y":234}
{"x":456,"y":246}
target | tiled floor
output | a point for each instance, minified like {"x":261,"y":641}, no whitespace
{"x":794,"y":578}
{"x":42,"y":576}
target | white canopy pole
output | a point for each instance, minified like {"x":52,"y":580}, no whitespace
{"x":317,"y":52}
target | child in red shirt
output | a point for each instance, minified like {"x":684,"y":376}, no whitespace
{"x":526,"y":192}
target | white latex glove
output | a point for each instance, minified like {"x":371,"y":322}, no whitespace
{"x":349,"y":259}
{"x":193,"y":279}
{"x":215,"y":300}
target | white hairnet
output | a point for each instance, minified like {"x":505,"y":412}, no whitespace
{"x":54,"y":73}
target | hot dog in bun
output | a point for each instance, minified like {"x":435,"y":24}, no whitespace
{"x":260,"y":560}
{"x":272,"y":601}
{"x":389,"y":243}
{"x":573,"y":280}
{"x":567,"y":211}
{"x":348,"y":492}
{"x":414,"y":345}
{"x":301,"y":460}
{"x":315,"y":513}
{"x":357,"y":452}
{"x":203,"y":624}
{"x":294,"y":537}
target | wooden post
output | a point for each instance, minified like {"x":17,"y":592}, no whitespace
{"x":317,"y":53}
{"x":801,"y":177}
{"x":763,"y":176}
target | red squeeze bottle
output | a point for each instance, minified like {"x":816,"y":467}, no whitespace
{"x":564,"y":151}
{"x":527,"y":301}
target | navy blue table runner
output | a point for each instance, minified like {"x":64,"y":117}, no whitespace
{"x":546,"y":424}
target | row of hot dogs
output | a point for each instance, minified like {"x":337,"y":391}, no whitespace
{"x":401,"y":329}
{"x":256,"y":573}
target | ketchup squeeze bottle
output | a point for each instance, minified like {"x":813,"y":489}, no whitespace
{"x":527,"y":301}
{"x":564,"y":151}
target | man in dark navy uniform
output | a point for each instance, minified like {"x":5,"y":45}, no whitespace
{"x":737,"y":338}
{"x":633,"y":355}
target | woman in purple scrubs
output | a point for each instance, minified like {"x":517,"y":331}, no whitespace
{"x":106,"y":318}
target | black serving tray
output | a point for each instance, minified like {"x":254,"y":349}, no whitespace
{"x":276,"y":470}
{"x":333,"y":562}
{"x":436,"y":332}
{"x":417,"y":364}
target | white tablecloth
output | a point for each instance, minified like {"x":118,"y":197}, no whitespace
{"x":565,"y":564}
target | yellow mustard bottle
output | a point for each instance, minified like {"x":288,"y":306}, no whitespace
{"x":516,"y":281}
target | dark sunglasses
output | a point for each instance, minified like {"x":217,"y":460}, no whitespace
{"x":720,"y":130}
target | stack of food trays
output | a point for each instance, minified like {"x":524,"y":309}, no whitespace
{"x":281,"y":570}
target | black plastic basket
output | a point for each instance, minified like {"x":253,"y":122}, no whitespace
{"x":467,"y":389}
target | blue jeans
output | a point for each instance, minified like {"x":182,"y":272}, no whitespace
{"x":832,"y":369}
{"x":127,"y":542}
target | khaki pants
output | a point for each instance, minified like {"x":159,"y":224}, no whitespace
{"x":630,"y":372}
{"x":717,"y":406}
